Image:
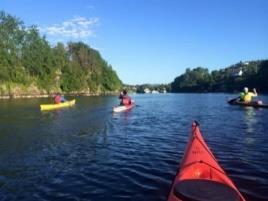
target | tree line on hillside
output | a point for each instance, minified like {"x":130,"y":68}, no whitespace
{"x":231,"y":79}
{"x":27,"y":58}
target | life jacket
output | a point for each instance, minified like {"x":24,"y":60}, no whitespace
{"x":248,"y":97}
{"x":126,"y":101}
{"x":57,"y":99}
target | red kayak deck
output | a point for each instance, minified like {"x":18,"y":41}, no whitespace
{"x":200,"y":177}
{"x":122,"y":108}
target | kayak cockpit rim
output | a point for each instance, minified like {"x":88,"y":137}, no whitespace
{"x":203,"y":190}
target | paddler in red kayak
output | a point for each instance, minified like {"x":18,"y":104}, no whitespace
{"x":125,"y":99}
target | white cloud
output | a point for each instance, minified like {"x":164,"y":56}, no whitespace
{"x":76,"y":28}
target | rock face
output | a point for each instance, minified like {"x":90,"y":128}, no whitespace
{"x":8,"y":91}
{"x":19,"y":90}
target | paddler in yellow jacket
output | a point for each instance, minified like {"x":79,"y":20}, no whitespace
{"x":247,"y":96}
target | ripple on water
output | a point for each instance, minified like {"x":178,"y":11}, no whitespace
{"x":87,"y":153}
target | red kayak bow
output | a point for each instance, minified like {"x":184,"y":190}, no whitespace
{"x":200,"y":177}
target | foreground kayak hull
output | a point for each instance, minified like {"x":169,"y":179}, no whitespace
{"x":200,"y":177}
{"x":56,"y":106}
{"x":251,"y":104}
{"x":122,"y":108}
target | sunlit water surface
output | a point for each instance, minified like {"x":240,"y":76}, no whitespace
{"x":88,"y":153}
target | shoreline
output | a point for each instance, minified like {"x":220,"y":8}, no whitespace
{"x":27,"y":96}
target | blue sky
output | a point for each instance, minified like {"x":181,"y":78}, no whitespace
{"x":153,"y":41}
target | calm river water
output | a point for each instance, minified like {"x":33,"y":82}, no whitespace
{"x":88,"y":153}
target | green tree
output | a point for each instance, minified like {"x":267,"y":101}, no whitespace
{"x":27,"y":57}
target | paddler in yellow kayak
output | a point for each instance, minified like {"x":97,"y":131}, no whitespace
{"x":59,"y":99}
{"x":247,"y":96}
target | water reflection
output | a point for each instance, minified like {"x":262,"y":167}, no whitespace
{"x":250,"y":119}
{"x":123,"y":115}
{"x":250,"y":122}
{"x":83,"y":152}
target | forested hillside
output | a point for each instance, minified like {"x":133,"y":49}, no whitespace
{"x":233,"y":78}
{"x":29,"y":65}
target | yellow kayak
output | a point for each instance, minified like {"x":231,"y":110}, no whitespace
{"x":55,"y":106}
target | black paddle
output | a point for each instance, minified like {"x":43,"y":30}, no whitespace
{"x":234,"y":100}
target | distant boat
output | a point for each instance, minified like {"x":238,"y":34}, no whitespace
{"x":155,"y":92}
{"x":164,"y":91}
{"x":147,"y":91}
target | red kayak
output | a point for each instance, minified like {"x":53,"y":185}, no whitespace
{"x":122,"y":108}
{"x":200,"y":177}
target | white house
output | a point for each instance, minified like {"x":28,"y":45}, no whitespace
{"x":237,"y":72}
{"x":147,"y":91}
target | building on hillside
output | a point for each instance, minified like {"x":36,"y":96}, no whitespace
{"x":237,"y":71}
